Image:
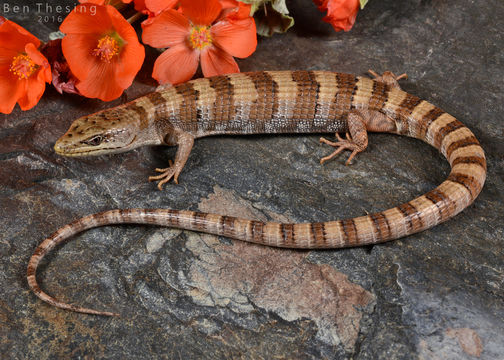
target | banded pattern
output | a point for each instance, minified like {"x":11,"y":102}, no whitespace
{"x":298,"y":102}
{"x":258,"y":103}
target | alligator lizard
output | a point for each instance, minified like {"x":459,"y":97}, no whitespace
{"x":277,"y":102}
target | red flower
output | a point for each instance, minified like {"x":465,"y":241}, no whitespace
{"x":201,"y":29}
{"x":341,"y":14}
{"x":102,"y":50}
{"x":23,"y":69}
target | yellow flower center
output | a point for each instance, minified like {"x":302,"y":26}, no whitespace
{"x":200,"y":37}
{"x":107,"y":48}
{"x":23,"y":66}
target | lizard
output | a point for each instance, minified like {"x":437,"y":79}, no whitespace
{"x":274,"y":102}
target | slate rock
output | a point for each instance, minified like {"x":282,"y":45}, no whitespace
{"x":436,"y":294}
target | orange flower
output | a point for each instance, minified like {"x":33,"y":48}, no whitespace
{"x":341,"y":14}
{"x":103,"y":2}
{"x":97,"y":2}
{"x":201,"y":29}
{"x":148,"y":7}
{"x":23,"y":69}
{"x":156,"y":6}
{"x":102,"y":50}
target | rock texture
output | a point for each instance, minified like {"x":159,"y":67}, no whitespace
{"x":434,"y":295}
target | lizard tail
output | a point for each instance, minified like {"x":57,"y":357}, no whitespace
{"x":414,"y":117}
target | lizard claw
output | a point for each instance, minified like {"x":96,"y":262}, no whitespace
{"x":165,"y":176}
{"x":342,"y":144}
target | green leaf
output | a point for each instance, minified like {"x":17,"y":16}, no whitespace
{"x":271,"y":16}
{"x":363,"y":3}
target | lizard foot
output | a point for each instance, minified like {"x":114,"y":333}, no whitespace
{"x":388,"y":77}
{"x":342,"y":144}
{"x":166,"y":175}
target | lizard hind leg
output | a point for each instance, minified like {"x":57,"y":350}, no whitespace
{"x":359,"y":123}
{"x":388,"y":77}
{"x":356,"y":138}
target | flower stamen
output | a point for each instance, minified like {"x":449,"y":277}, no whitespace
{"x":200,"y":37}
{"x":23,"y":66}
{"x":107,"y":48}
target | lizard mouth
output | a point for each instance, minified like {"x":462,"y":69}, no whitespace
{"x":62,"y":147}
{"x":61,"y":150}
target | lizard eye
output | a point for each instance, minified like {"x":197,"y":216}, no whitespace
{"x":94,"y":141}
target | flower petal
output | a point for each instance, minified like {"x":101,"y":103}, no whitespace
{"x":87,"y":19}
{"x":121,"y":25}
{"x":33,"y":93}
{"x":156,"y":6}
{"x":341,"y":14}
{"x":11,"y":89}
{"x":44,"y":72}
{"x":237,"y":38}
{"x":35,"y":55}
{"x":77,"y":50}
{"x":234,"y":10}
{"x":226,"y":4}
{"x":13,"y":36}
{"x":176,"y":65}
{"x":132,"y":53}
{"x":201,"y":12}
{"x":130,"y":61}
{"x":101,"y":82}
{"x":167,"y":29}
{"x":215,"y":61}
{"x":6,"y":57}
{"x":15,"y":40}
{"x":97,"y":2}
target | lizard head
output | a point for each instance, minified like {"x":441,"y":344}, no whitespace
{"x":105,"y":132}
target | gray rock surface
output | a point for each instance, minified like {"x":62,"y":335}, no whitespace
{"x":434,"y":295}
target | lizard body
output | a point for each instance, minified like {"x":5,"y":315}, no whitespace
{"x":277,"y":102}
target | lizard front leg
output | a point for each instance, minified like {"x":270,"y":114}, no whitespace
{"x":185,"y":142}
{"x":359,"y":123}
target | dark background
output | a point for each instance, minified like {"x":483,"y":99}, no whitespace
{"x":437,"y":294}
